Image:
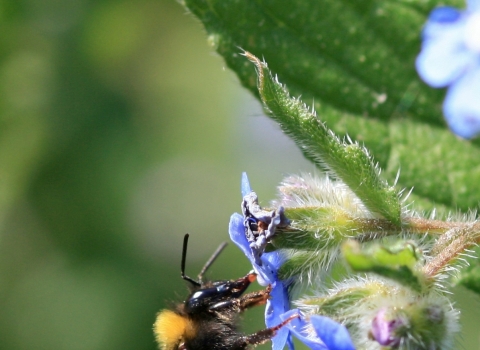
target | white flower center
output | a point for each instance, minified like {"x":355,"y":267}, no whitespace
{"x":472,"y":32}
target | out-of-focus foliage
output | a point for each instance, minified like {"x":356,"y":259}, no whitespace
{"x":120,"y":131}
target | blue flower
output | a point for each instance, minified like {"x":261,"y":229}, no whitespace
{"x":450,"y":56}
{"x":330,"y":335}
{"x":278,"y":303}
{"x":319,"y":332}
{"x":260,"y":225}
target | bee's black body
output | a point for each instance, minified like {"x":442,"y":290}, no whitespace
{"x":208,"y":319}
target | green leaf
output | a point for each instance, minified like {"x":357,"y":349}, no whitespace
{"x":396,"y":263}
{"x":354,"y":60}
{"x":346,"y":161}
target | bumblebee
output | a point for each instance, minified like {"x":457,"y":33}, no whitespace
{"x":208,"y":318}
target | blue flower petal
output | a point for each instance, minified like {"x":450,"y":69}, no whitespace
{"x":319,"y":332}
{"x":473,"y":5}
{"x":237,"y":234}
{"x":266,"y":273}
{"x":462,"y":105}
{"x":334,"y":335}
{"x":300,"y":329}
{"x":277,"y":305}
{"x":281,"y":338}
{"x":245,"y":186}
{"x":274,"y":260}
{"x":444,"y":14}
{"x":444,"y":56}
{"x":451,"y":56}
{"x":266,"y":265}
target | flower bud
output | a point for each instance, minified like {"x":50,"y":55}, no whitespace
{"x":380,"y":313}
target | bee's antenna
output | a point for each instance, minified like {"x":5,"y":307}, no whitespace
{"x":211,"y":260}
{"x":184,"y":258}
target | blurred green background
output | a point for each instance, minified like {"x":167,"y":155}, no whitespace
{"x":120,"y":132}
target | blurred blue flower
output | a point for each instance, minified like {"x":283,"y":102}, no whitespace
{"x":450,"y":56}
{"x":319,"y":332}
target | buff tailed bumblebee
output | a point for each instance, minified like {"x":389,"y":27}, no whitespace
{"x":208,"y":318}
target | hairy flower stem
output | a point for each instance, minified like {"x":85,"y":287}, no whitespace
{"x":331,"y":228}
{"x":451,"y":245}
{"x":338,"y":226}
{"x":426,"y":226}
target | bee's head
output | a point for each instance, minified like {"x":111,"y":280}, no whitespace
{"x":172,"y":329}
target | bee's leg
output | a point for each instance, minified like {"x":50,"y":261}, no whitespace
{"x":262,"y":336}
{"x":248,"y":300}
{"x":255,"y":298}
